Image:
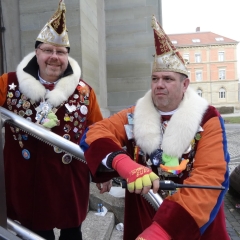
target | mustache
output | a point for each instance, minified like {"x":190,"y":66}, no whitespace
{"x":53,"y":61}
{"x":160,"y":92}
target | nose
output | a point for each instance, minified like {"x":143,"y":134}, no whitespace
{"x":160,"y":83}
{"x":54,"y":56}
{"x":54,"y":52}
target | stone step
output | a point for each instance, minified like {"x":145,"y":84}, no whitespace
{"x":116,"y":235}
{"x":113,"y":204}
{"x":98,"y":227}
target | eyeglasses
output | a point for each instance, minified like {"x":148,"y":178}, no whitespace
{"x":50,"y":52}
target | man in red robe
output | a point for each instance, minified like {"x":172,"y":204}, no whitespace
{"x":47,"y":188}
{"x":171,"y":133}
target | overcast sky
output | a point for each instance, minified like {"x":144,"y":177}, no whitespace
{"x":218,"y":16}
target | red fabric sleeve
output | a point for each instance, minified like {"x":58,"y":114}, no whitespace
{"x":3,"y":88}
{"x":173,"y":218}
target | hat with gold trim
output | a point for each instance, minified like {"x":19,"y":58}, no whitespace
{"x":55,"y":31}
{"x":167,"y":58}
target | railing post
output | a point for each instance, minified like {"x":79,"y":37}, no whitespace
{"x":3,"y":209}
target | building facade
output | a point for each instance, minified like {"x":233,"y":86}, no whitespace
{"x":212,"y":63}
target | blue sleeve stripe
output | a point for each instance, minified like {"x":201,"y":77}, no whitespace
{"x":224,"y":184}
{"x":84,"y":146}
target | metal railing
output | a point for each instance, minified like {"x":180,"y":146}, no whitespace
{"x":9,"y":228}
{"x":50,"y":138}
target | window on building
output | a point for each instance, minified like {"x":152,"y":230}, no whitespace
{"x":174,"y":42}
{"x":186,"y":58}
{"x":222,"y":93}
{"x":199,"y":75}
{"x":219,"y":39}
{"x":222,"y":74}
{"x":199,"y":92}
{"x":196,"y":40}
{"x":197,"y":57}
{"x":220,"y":56}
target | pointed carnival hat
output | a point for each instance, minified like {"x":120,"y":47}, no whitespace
{"x":55,"y":31}
{"x":167,"y":58}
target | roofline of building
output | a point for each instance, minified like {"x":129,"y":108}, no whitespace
{"x":205,"y":45}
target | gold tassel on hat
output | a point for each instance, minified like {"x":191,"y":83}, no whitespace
{"x":167,"y":58}
{"x":55,"y":30}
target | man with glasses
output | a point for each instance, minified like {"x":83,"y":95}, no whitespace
{"x":45,"y":187}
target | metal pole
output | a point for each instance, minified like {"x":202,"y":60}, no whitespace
{"x":22,"y":231}
{"x":42,"y":134}
{"x":3,"y":209}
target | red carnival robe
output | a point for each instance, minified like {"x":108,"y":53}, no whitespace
{"x":43,"y":192}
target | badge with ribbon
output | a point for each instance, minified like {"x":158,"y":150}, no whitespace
{"x":156,"y":157}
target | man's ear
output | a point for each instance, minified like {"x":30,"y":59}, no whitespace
{"x":186,"y":83}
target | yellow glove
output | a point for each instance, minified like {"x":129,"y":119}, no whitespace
{"x":136,"y":175}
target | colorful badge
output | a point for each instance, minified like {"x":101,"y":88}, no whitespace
{"x":21,"y":113}
{"x":75,"y":129}
{"x":67,"y":128}
{"x":83,"y":110}
{"x":26,"y":105}
{"x":75,"y":96}
{"x":156,"y":157}
{"x":75,"y":114}
{"x":67,"y":158}
{"x":129,"y":131}
{"x":77,"y":135}
{"x":29,"y":112}
{"x":66,"y":136}
{"x":23,"y":97}
{"x":12,"y":86}
{"x":57,"y":149}
{"x":14,"y":101}
{"x":25,"y":137}
{"x":75,"y":123}
{"x":20,"y":144}
{"x":10,"y":94}
{"x":66,"y":117}
{"x":130,"y":118}
{"x":17,"y":94}
{"x":25,"y":154}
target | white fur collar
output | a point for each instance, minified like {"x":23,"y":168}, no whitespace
{"x":34,"y":90}
{"x":181,"y":128}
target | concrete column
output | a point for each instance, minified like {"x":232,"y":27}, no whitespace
{"x":130,"y":49}
{"x":11,"y":35}
{"x":102,"y":58}
{"x":93,"y":48}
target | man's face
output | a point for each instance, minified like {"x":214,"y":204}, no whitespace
{"x":168,"y":89}
{"x":52,"y":61}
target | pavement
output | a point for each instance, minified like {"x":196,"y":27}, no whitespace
{"x":231,"y":211}
{"x":232,"y":216}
